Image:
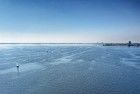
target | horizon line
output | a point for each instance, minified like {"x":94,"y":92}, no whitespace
{"x":62,"y":42}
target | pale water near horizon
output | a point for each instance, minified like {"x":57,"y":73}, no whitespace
{"x":69,"y":69}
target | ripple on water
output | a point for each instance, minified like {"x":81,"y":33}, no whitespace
{"x":132,"y":62}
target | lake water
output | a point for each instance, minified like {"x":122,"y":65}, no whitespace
{"x":69,"y":69}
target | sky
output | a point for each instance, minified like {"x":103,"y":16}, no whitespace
{"x":69,"y":21}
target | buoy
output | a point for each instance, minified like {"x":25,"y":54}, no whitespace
{"x":17,"y":66}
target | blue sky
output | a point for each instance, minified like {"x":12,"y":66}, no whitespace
{"x":69,"y":20}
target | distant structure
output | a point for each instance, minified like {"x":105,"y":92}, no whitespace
{"x":129,"y":44}
{"x":122,"y":44}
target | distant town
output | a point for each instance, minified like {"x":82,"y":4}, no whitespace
{"x":129,"y":44}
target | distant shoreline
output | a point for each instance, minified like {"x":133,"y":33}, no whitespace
{"x":103,"y":44}
{"x":122,"y":44}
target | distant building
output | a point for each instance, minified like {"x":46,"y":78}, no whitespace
{"x":129,"y":43}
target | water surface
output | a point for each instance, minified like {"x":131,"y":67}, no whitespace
{"x":69,"y":69}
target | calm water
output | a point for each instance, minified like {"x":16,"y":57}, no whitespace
{"x":69,"y":69}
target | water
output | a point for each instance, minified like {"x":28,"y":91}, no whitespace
{"x":69,"y":69}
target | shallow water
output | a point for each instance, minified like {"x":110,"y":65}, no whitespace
{"x":69,"y":69}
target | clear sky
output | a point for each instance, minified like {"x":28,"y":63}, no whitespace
{"x":69,"y":21}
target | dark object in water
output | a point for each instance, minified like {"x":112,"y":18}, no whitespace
{"x":17,"y":66}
